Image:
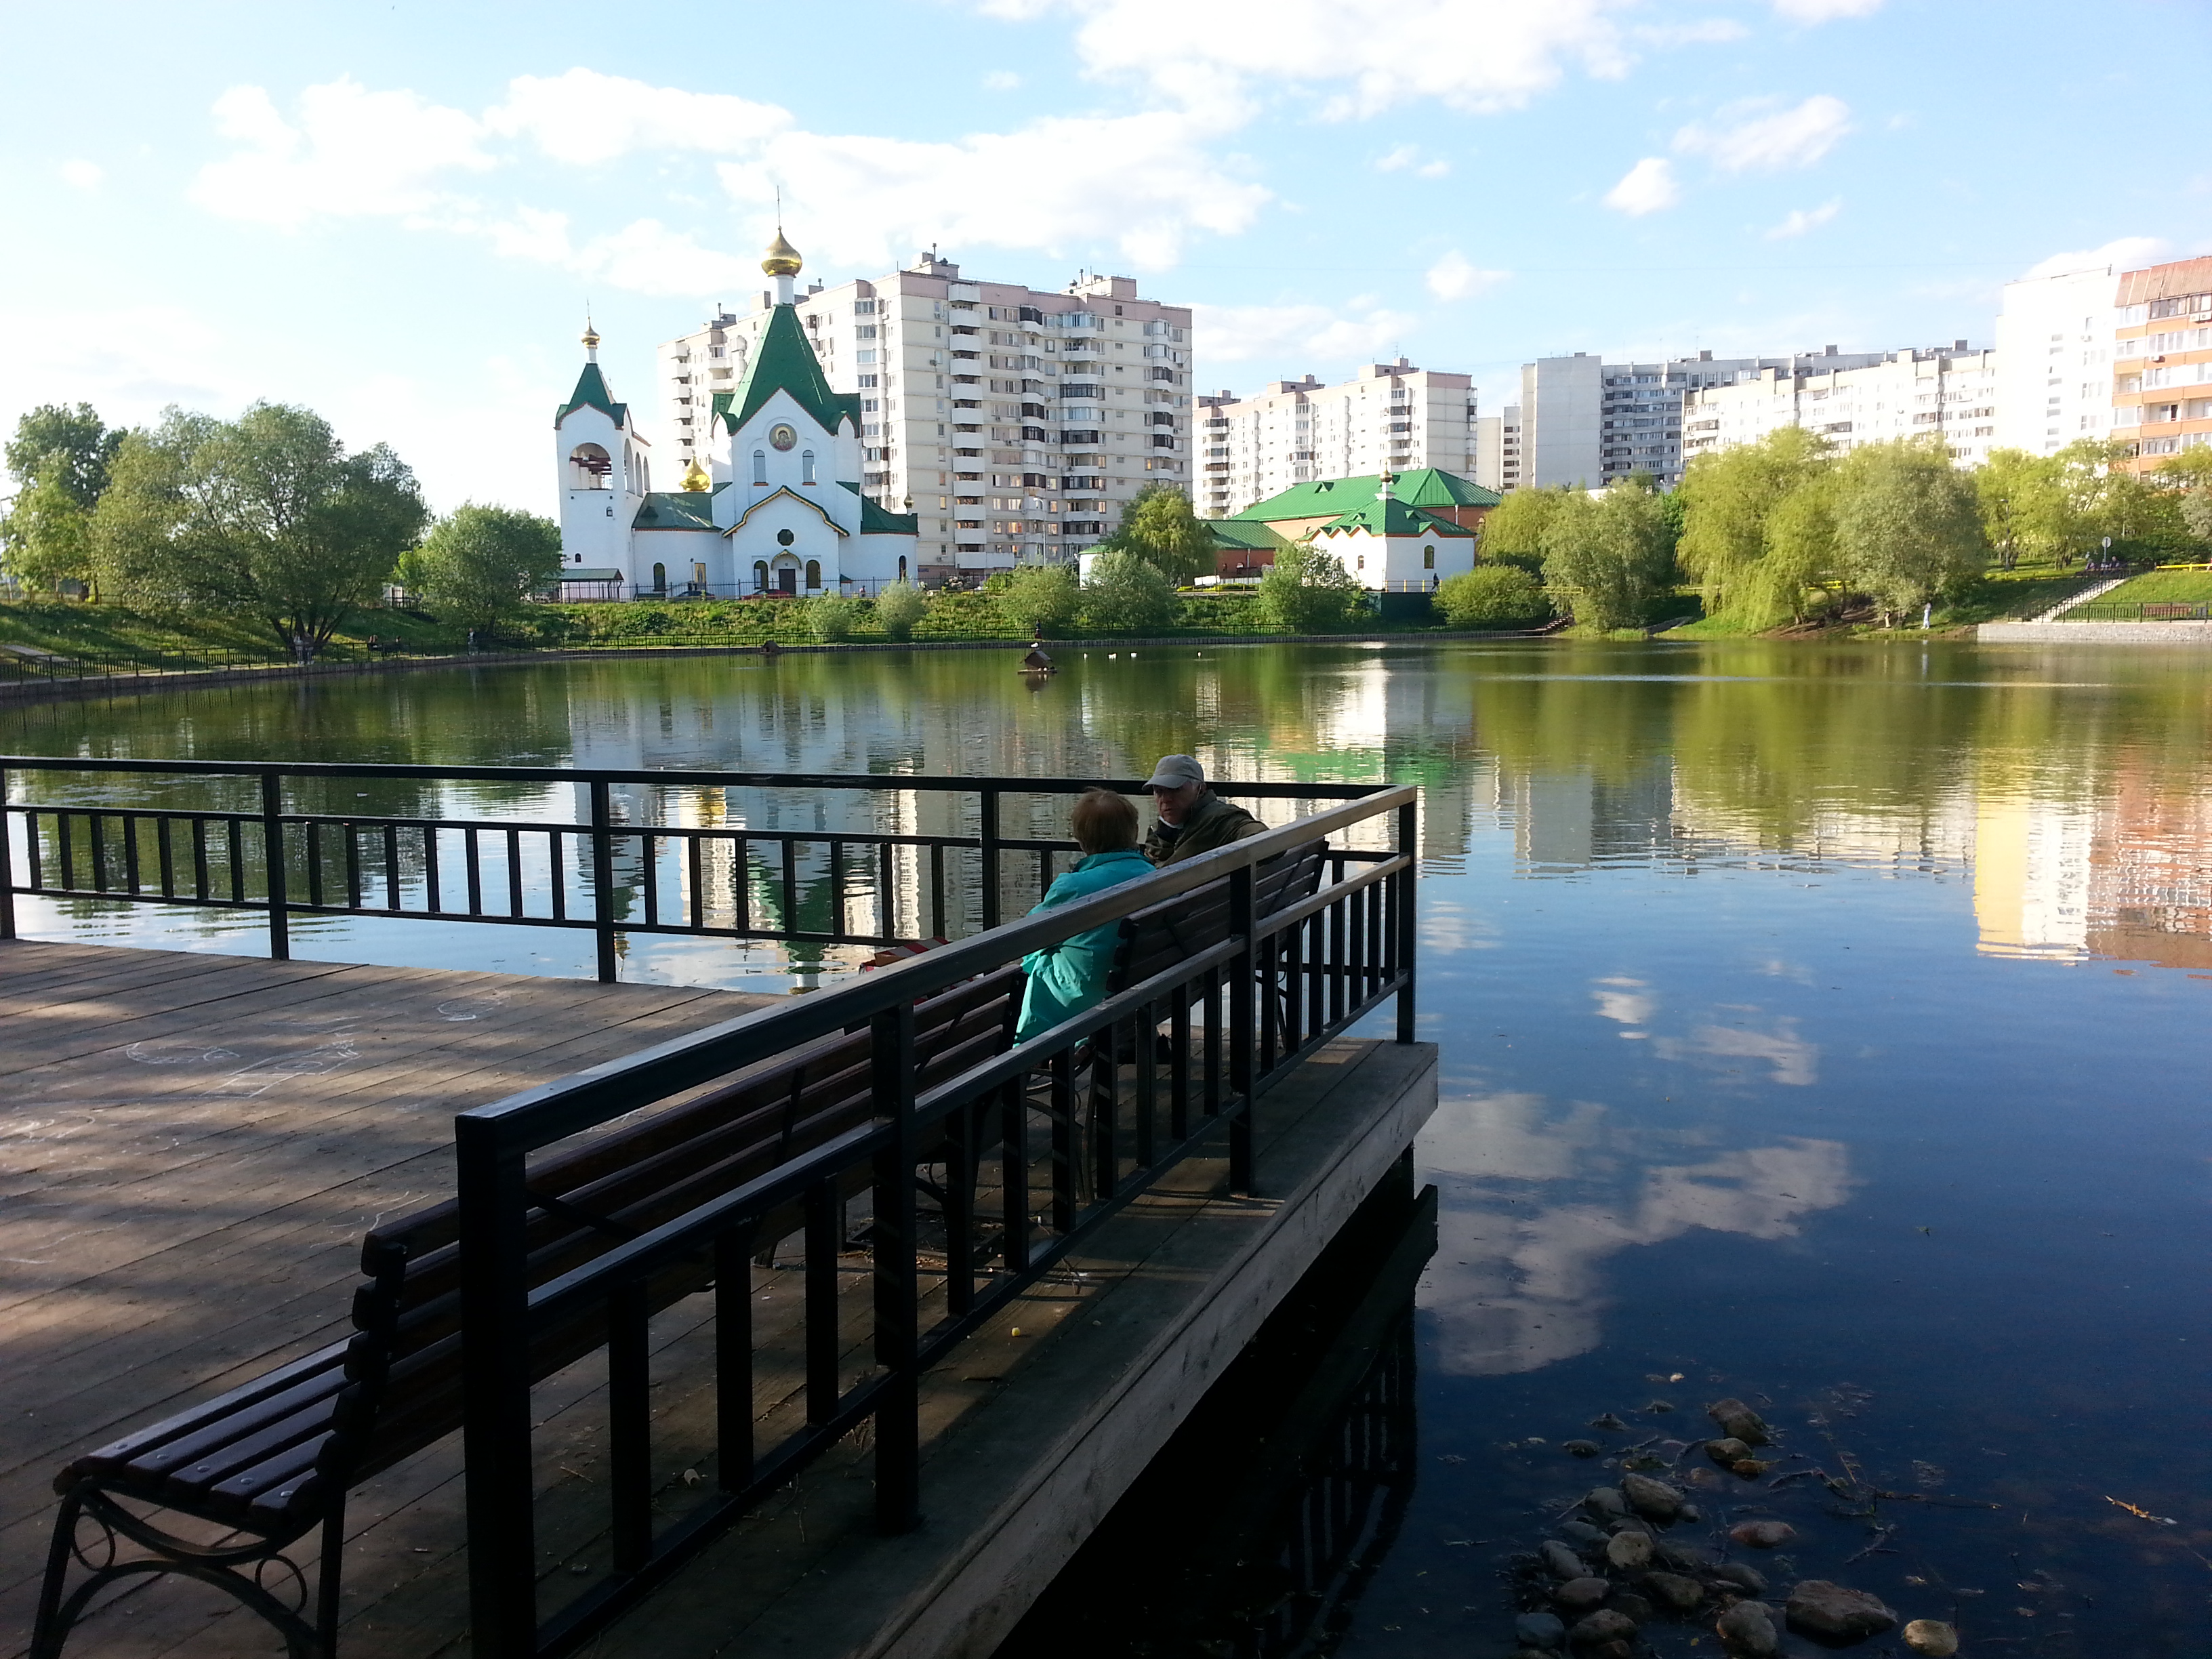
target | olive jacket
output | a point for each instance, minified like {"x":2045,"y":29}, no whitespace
{"x":1213,"y":823}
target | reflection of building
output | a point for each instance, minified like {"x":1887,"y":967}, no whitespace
{"x":2031,"y":877}
{"x":1570,"y":820}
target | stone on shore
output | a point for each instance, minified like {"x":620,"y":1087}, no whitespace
{"x":1747,"y":1628}
{"x":1763,"y":1534}
{"x":1629,"y":1551}
{"x":1739,"y":1421}
{"x":1544,"y":1631}
{"x":1727,"y":1453}
{"x":1653,"y":1498}
{"x":1560,"y":1561}
{"x":1749,"y":1580}
{"x":1677,"y":1592}
{"x":1818,"y":1608}
{"x":1606,"y":1502}
{"x":1931,"y":1637}
{"x":1579,"y":1596}
{"x":1603,"y":1625}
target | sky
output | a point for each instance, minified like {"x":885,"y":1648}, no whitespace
{"x":398,"y":213}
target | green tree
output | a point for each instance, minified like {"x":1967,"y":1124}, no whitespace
{"x":1908,"y":525}
{"x":2024,"y":506}
{"x":266,"y":517}
{"x":1160,"y":528}
{"x":1045,"y":598}
{"x":1127,"y":594}
{"x":1607,"y":558}
{"x":73,"y":446}
{"x":1728,"y":498}
{"x":479,"y":564}
{"x":59,"y":458}
{"x":47,"y":537}
{"x":898,"y":608}
{"x":1800,"y":552}
{"x":830,"y":616}
{"x":2197,"y":512}
{"x":1492,"y":596}
{"x":1307,"y":591}
{"x":1513,"y":530}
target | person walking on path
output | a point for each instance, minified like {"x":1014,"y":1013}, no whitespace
{"x":1193,"y":819}
{"x":1070,"y":976}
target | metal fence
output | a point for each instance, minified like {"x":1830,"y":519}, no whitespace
{"x":2138,"y":611}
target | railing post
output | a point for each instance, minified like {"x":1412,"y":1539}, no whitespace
{"x":6,"y":865}
{"x":496,"y":1393}
{"x":1409,"y":848}
{"x":988,"y":819}
{"x":898,"y":1429}
{"x":603,"y":878}
{"x":272,"y":856}
{"x":1242,"y":979}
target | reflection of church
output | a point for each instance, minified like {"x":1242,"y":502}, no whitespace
{"x":777,"y":508}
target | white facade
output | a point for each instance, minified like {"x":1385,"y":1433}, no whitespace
{"x":1389,"y":417}
{"x":1952,"y":393}
{"x":1014,"y":424}
{"x":1497,"y":458}
{"x":2055,"y":340}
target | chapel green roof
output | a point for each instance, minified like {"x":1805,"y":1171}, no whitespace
{"x":676,"y":509}
{"x":786,"y":362}
{"x":1393,"y":517}
{"x":591,"y":389}
{"x":1235,"y":535}
{"x":879,"y":521}
{"x":1427,"y":486}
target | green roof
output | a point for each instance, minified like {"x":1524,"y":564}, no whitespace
{"x":591,"y":389}
{"x":786,"y":362}
{"x":1397,"y":518}
{"x":1230,"y":534}
{"x":1425,"y":486}
{"x":877,"y":521}
{"x":676,"y":509}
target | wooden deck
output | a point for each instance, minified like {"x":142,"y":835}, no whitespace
{"x":190,"y":1147}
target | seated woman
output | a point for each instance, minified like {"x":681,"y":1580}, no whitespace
{"x":1070,"y":976}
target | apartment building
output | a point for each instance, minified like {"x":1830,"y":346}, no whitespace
{"x":1496,"y":464}
{"x":1389,"y":417}
{"x":1590,"y":423}
{"x":2055,"y":338}
{"x":1014,"y":424}
{"x":2162,"y":360}
{"x":1947,"y":390}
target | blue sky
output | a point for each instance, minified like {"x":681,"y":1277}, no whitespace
{"x":396,"y":213}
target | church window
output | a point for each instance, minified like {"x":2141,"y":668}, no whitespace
{"x":902,"y":567}
{"x":807,"y":467}
{"x":1428,"y":558}
{"x":784,"y":538}
{"x":590,"y":467}
{"x":813,"y":574}
{"x":760,"y":575}
{"x":661,"y":579}
{"x":760,"y":467}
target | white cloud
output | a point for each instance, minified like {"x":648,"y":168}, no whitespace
{"x":1647,"y":187}
{"x":2124,"y":253}
{"x":1478,"y":55}
{"x":1823,"y":11}
{"x":1456,"y":278}
{"x":1408,"y":157}
{"x":351,"y":152}
{"x":1284,"y":334}
{"x":83,"y":175}
{"x":1001,"y":81}
{"x":585,"y":116}
{"x":1756,"y":136}
{"x":1802,"y":219}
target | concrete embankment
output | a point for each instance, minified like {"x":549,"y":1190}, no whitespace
{"x":2095,"y":632}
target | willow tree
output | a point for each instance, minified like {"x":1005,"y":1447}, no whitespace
{"x":1606,"y":557}
{"x":1729,"y":501}
{"x":1908,"y":525}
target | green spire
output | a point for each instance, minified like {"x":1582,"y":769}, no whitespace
{"x":786,"y":362}
{"x":591,"y":389}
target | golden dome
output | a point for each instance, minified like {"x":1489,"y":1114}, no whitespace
{"x":696,"y":479}
{"x":783,"y":258}
{"x":590,"y":338}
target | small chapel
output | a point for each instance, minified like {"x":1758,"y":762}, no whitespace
{"x":776,"y":510}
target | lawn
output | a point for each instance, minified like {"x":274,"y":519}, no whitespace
{"x":2163,"y":587}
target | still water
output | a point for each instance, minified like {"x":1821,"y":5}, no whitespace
{"x":1822,"y":1026}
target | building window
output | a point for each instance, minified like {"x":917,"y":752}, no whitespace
{"x":760,"y":467}
{"x":590,"y":467}
{"x":1428,"y":558}
{"x":902,"y":567}
{"x":807,"y":467}
{"x":813,"y":574}
{"x":661,"y":579}
{"x":760,"y":575}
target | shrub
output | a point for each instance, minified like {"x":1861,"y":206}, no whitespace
{"x":1493,"y":596}
{"x":831,"y":616}
{"x":898,"y":608}
{"x":1125,"y":595}
{"x":1043,"y":598}
{"x":1306,"y":592}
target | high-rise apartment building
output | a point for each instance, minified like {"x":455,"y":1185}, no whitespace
{"x":1497,"y":462}
{"x":1012,"y":422}
{"x":1389,"y":417}
{"x":2055,"y":337}
{"x":1590,"y":423}
{"x":2162,"y":360}
{"x":1950,"y":391}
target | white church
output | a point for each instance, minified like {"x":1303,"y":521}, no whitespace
{"x":777,"y":508}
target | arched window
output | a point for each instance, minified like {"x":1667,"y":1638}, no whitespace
{"x":661,"y":579}
{"x":902,"y":567}
{"x":760,"y":467}
{"x":760,"y":575}
{"x":813,"y":574}
{"x":1429,"y":558}
{"x":807,"y":467}
{"x":590,"y":467}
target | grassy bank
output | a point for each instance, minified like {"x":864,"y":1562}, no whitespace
{"x":114,"y":636}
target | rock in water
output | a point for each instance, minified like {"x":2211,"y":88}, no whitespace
{"x":1603,"y":1625}
{"x":1633,"y":1608}
{"x":1579,"y":1596}
{"x":1727,"y":1453}
{"x":1609,"y":1423}
{"x":1747,"y":1628}
{"x":1820,"y":1608}
{"x":1739,"y":1421}
{"x":1560,"y":1561}
{"x":1544,"y":1631}
{"x":1677,"y":1592}
{"x":1629,"y":1551}
{"x":1607,"y":1503}
{"x":1749,"y":1580}
{"x":1682,"y":1557}
{"x":1580,"y":1533}
{"x":1763,"y":1534}
{"x":1653,"y":1498}
{"x":1932,"y":1637}
{"x":1580,"y":1447}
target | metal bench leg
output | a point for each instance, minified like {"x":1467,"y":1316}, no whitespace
{"x":327,"y":1579}
{"x":49,"y":1630}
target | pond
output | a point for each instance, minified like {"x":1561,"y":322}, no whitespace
{"x":1821,"y":1026}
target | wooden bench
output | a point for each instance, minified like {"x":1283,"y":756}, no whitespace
{"x":1155,"y":938}
{"x":265,"y":1464}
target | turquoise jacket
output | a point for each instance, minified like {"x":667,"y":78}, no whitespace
{"x":1070,"y":976}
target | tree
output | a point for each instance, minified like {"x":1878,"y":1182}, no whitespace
{"x":830,"y":616}
{"x":2197,"y":512}
{"x":2024,"y":506}
{"x":479,"y":564}
{"x":1127,"y":594}
{"x":1492,"y":596}
{"x":1045,"y":598}
{"x":59,"y":458}
{"x":1607,"y":558}
{"x":1800,"y":552}
{"x":1513,"y":530}
{"x":1159,"y":526}
{"x":1728,"y":497}
{"x":1307,"y":591}
{"x":46,"y":536}
{"x":266,"y":517}
{"x":898,"y":608}
{"x":72,"y":445}
{"x":1908,"y":524}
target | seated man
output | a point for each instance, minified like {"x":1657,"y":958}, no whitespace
{"x":1193,"y":818}
{"x":1070,"y":976}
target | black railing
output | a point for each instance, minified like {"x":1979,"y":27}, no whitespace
{"x":612,"y":869}
{"x":2139,"y":610}
{"x":1023,"y":1152}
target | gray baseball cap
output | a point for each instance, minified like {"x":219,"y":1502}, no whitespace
{"x":1174,"y":771}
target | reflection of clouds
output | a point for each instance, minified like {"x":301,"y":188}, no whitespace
{"x":1795,"y":1060}
{"x":1628,"y":1002}
{"x":1449,"y":926}
{"x":1523,"y":1285}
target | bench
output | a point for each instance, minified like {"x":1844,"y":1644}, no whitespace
{"x":270,"y":1462}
